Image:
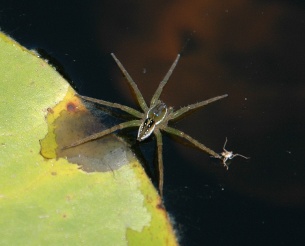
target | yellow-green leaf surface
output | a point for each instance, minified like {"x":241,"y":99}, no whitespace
{"x":46,"y":198}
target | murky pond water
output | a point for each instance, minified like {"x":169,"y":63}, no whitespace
{"x":252,"y":50}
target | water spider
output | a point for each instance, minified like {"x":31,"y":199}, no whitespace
{"x":154,"y":118}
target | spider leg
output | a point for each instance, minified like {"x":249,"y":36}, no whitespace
{"x":160,"y":160}
{"x":240,"y":156}
{"x":225,"y":163}
{"x":163,"y":82}
{"x":191,"y":140}
{"x":224,"y":146}
{"x":180,"y":112}
{"x":124,"y":108}
{"x":132,"y":123}
{"x":133,"y":85}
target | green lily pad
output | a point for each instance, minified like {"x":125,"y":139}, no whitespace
{"x":52,"y":197}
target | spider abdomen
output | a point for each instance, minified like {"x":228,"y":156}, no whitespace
{"x":146,"y":129}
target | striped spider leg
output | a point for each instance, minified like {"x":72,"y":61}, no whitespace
{"x":228,"y":155}
{"x":153,"y":119}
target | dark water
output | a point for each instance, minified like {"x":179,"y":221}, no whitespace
{"x":252,"y":50}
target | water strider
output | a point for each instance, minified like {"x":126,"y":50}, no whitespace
{"x":228,"y":155}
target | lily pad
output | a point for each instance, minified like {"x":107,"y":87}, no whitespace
{"x":48,"y":196}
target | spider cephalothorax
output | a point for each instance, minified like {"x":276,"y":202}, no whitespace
{"x":153,"y":119}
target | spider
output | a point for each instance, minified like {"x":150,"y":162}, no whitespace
{"x":228,"y":155}
{"x":153,"y":119}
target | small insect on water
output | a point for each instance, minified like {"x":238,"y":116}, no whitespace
{"x":153,"y":119}
{"x":228,"y":155}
